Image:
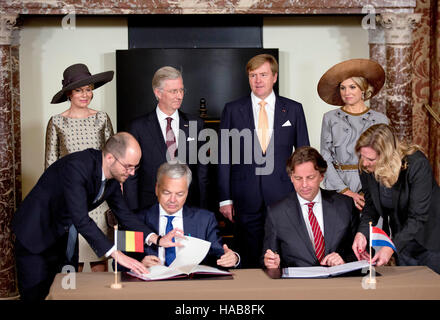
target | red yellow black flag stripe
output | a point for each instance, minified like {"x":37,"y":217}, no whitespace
{"x":130,"y":241}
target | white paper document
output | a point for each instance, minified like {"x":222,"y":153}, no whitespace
{"x":187,"y":261}
{"x":323,"y":272}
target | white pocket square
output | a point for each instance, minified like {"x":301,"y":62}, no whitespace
{"x":287,"y":124}
{"x":190,"y":139}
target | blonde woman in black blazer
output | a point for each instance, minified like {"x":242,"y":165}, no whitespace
{"x":398,"y":184}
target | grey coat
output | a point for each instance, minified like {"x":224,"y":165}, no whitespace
{"x":339,"y":133}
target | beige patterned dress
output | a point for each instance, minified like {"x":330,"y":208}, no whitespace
{"x":67,"y":135}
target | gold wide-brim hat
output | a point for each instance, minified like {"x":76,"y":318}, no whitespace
{"x":328,"y":85}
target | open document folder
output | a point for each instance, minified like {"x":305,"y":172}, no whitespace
{"x":187,"y":261}
{"x":323,"y":272}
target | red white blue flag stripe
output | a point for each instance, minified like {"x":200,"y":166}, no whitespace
{"x":378,"y":238}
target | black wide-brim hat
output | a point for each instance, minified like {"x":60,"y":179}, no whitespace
{"x":78,"y":75}
{"x":328,"y":85}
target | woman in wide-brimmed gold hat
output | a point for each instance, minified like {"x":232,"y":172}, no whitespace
{"x":348,"y":85}
{"x":76,"y":129}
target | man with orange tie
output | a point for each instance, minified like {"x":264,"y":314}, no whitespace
{"x":311,"y":226}
{"x":251,"y":174}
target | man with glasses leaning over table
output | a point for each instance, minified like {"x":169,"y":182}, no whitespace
{"x":47,"y":223}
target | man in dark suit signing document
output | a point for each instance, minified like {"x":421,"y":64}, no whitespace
{"x":311,"y":226}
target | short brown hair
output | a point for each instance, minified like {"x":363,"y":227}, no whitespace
{"x":117,"y":144}
{"x":259,"y":60}
{"x":306,"y":154}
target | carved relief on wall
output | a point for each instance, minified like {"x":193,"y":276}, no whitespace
{"x":421,"y":77}
{"x":426,"y":81}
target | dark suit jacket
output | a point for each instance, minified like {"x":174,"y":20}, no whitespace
{"x":139,"y":190}
{"x":239,"y":182}
{"x":63,"y":196}
{"x":416,"y":201}
{"x":198,"y":223}
{"x":286,"y":232}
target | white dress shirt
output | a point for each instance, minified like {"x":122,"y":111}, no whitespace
{"x":270,"y":109}
{"x":317,"y":210}
{"x":162,"y":118}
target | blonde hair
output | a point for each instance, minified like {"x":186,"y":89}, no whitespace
{"x":390,"y":151}
{"x":366,"y":88}
{"x":259,"y":60}
{"x":165,"y":73}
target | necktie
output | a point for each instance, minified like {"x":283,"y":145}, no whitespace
{"x":170,"y":139}
{"x":73,"y":233}
{"x":317,"y":234}
{"x":263,"y":126}
{"x":170,"y":253}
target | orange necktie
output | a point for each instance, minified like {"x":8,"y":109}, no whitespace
{"x":263,"y":126}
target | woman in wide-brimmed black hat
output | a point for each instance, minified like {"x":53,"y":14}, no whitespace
{"x":348,"y":85}
{"x":76,"y":129}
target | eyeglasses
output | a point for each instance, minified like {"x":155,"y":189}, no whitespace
{"x":126,"y":166}
{"x":174,"y":92}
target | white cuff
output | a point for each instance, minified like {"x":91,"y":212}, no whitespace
{"x":239,"y":259}
{"x":225,"y":202}
{"x":109,"y":253}
{"x":147,"y":239}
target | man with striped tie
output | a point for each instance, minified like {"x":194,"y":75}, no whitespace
{"x":311,"y":226}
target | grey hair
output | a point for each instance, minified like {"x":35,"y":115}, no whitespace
{"x":174,"y":170}
{"x":165,"y":73}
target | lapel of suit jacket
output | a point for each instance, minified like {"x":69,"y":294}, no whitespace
{"x":247,"y":113}
{"x":153,"y":127}
{"x":374,"y":192}
{"x":189,"y":225}
{"x":152,"y":219}
{"x":280,"y":116}
{"x":395,"y":190}
{"x":98,"y":178}
{"x":294,"y":214}
{"x":183,"y":127}
{"x":329,"y":212}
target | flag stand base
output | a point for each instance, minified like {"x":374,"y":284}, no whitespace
{"x":116,"y":286}
{"x":371,"y":280}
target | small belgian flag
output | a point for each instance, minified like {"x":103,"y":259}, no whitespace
{"x":130,"y":241}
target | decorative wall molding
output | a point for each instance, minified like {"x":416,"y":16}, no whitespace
{"x":206,"y":6}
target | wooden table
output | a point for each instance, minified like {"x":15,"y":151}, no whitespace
{"x":410,"y":283}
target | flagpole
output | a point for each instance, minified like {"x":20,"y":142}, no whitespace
{"x":116,"y":285}
{"x":371,"y":280}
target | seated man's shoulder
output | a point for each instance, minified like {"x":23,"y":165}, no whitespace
{"x":200,"y":212}
{"x":343,"y":203}
{"x":286,"y":202}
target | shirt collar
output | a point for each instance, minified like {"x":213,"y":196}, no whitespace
{"x":162,"y":116}
{"x":317,"y":199}
{"x":270,"y":99}
{"x":162,"y":212}
{"x":103,"y":175}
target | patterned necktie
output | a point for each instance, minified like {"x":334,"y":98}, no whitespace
{"x":73,"y":233}
{"x":170,"y":253}
{"x":317,"y":234}
{"x":263,"y":126}
{"x":170,"y":139}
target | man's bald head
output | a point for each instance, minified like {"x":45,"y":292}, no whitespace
{"x":120,"y":144}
